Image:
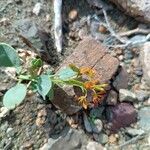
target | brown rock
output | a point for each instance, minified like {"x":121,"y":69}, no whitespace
{"x":102,"y":29}
{"x":121,"y":80}
{"x":139,"y":9}
{"x":120,"y":116}
{"x":73,"y":14}
{"x":112,"y":98}
{"x":89,"y":53}
{"x":145,"y":59}
{"x":28,"y":145}
{"x":112,"y":139}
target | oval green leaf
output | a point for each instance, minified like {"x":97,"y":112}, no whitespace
{"x":8,"y":56}
{"x":67,"y":73}
{"x":44,"y":85}
{"x":14,"y":96}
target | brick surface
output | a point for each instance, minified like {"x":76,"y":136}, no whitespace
{"x":89,"y":53}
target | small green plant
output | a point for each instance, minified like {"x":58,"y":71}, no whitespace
{"x":32,"y":77}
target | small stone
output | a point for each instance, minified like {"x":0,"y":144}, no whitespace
{"x":126,"y":95}
{"x":145,"y":59}
{"x":112,"y":139}
{"x":4,"y":126}
{"x":87,"y":123}
{"x":97,"y":126}
{"x":42,"y":113}
{"x":102,"y":29}
{"x":121,"y":80}
{"x":97,"y":112}
{"x":139,"y":71}
{"x":73,"y":15}
{"x":144,"y":116}
{"x":121,"y":57}
{"x":134,"y":132}
{"x":101,"y":138}
{"x":37,"y":8}
{"x":10,"y":132}
{"x":112,"y":98}
{"x":27,"y":145}
{"x":120,"y":116}
{"x":142,"y":95}
{"x":40,"y":121}
{"x":4,"y":112}
{"x":94,"y":146}
{"x":4,"y":22}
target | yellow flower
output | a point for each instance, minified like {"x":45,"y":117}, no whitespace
{"x":90,"y":84}
{"x":83,"y":101}
{"x":87,"y":71}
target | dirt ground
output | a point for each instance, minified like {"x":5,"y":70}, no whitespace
{"x":22,"y":119}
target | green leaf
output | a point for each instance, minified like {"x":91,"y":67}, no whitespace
{"x":74,"y":68}
{"x":8,"y":56}
{"x":44,"y":85}
{"x":67,"y":73}
{"x":51,"y":94}
{"x":14,"y":96}
{"x":36,"y":63}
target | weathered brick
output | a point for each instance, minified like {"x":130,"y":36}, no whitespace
{"x":89,"y":53}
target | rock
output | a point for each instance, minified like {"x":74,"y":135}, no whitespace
{"x":126,"y":95}
{"x":101,"y":138}
{"x":88,"y":53}
{"x":102,"y":29}
{"x":4,"y":112}
{"x":121,"y":80}
{"x":4,"y":126}
{"x":29,"y":30}
{"x":27,"y":145}
{"x":139,"y":9}
{"x":112,"y":139}
{"x":97,"y":112}
{"x":91,"y":53}
{"x":94,"y":146}
{"x":120,"y":116}
{"x":87,"y":124}
{"x":112,"y":98}
{"x":145,"y":58}
{"x":138,"y":71}
{"x":4,"y":22}
{"x":142,"y":95}
{"x":72,"y":139}
{"x":10,"y":132}
{"x":64,"y":99}
{"x":134,"y":132}
{"x":37,"y":8}
{"x":144,"y":121}
{"x":73,"y":14}
{"x":97,"y":126}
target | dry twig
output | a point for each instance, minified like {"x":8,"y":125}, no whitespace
{"x":58,"y":24}
{"x":135,"y":31}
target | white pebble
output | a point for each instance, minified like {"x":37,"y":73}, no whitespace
{"x":37,"y":8}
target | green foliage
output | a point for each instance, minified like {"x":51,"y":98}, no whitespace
{"x":8,"y":56}
{"x":14,"y":96}
{"x":44,"y":85}
{"x":36,"y":63}
{"x":36,"y":80}
{"x":67,"y":73}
